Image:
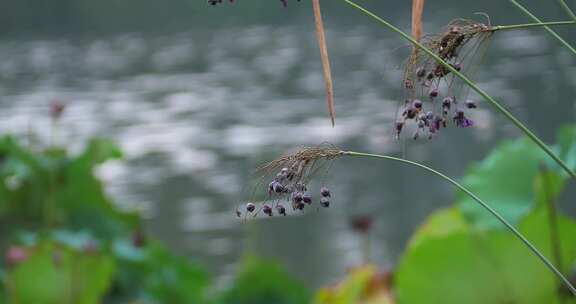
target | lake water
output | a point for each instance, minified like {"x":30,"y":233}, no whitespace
{"x":197,"y":110}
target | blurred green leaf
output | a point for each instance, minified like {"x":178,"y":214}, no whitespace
{"x":152,"y":274}
{"x":264,"y":282}
{"x":505,"y":180}
{"x":57,"y":274}
{"x":470,"y":266}
{"x":566,"y":146}
{"x":515,"y":178}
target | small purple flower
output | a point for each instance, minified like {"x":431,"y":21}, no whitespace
{"x":281,"y":210}
{"x":398,"y":127}
{"x":325,"y":202}
{"x":420,"y":72}
{"x":267,"y":209}
{"x":461,"y":120}
{"x":410,"y":113}
{"x":297,"y":205}
{"x":417,"y":104}
{"x":447,"y":102}
{"x":325,"y":192}
{"x":297,"y":197}
{"x":434,"y":93}
{"x":307,"y":198}
{"x":278,"y":188}
{"x":250,"y":207}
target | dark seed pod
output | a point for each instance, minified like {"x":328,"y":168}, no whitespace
{"x":267,"y":209}
{"x":447,"y":102}
{"x":281,"y":210}
{"x":420,"y":72}
{"x":430,"y":76}
{"x":410,"y":113}
{"x":325,"y":202}
{"x":471,"y":104}
{"x":250,"y":207}
{"x":307,"y":199}
{"x":398,"y":127}
{"x":297,"y":205}
{"x":417,"y":104}
{"x":434,"y":93}
{"x":297,"y":197}
{"x":325,"y":192}
{"x":278,"y":188}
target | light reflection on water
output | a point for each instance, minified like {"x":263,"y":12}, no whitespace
{"x":196,"y":113}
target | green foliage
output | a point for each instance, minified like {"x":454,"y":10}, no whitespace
{"x":461,"y":265}
{"x":156,"y":276}
{"x":264,"y":282}
{"x":79,"y":247}
{"x":511,"y":178}
{"x":50,"y":188}
{"x":460,"y":255}
{"x":53,"y":273}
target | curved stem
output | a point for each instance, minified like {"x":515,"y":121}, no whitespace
{"x":551,"y":31}
{"x":481,"y":203}
{"x":567,"y":9}
{"x":528,"y":25}
{"x":469,"y":82}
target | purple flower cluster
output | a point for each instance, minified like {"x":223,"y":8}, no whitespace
{"x":424,"y":76}
{"x":431,"y":122}
{"x":288,"y":185}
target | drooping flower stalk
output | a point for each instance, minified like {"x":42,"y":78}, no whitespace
{"x":314,"y":155}
{"x":472,"y":85}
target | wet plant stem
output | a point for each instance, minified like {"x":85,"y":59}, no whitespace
{"x":470,"y":83}
{"x":551,"y":31}
{"x":510,"y":227}
{"x":529,"y":25}
{"x":566,"y":8}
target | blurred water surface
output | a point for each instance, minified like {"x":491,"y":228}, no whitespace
{"x":197,"y":109}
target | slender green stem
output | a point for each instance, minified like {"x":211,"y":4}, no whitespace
{"x":481,"y":203}
{"x":528,"y":25}
{"x":469,"y":82}
{"x":553,"y":227}
{"x":567,"y":9}
{"x":551,"y":31}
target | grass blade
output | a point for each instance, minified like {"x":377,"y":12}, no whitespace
{"x":551,"y":31}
